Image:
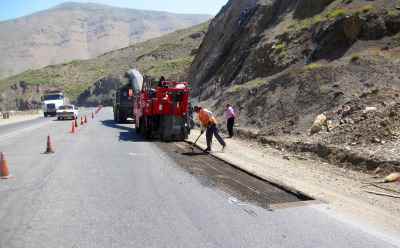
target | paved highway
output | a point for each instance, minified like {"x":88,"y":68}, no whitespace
{"x":106,"y":187}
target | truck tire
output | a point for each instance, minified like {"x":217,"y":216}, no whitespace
{"x":121,"y":118}
{"x":141,"y":127}
{"x":137,"y":129}
{"x":163,"y":136}
{"x":147,"y":128}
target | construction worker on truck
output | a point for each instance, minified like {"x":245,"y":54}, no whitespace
{"x":209,"y":123}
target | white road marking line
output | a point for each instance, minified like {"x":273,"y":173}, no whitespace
{"x":136,"y":154}
{"x":21,"y":131}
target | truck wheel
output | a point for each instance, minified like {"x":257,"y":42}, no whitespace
{"x":121,"y":119}
{"x":147,"y":129}
{"x":163,"y":138}
{"x":117,"y":120}
{"x":137,"y":129}
{"x":163,"y":134}
{"x":141,"y":126}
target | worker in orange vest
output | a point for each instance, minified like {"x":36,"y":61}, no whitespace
{"x":209,"y":123}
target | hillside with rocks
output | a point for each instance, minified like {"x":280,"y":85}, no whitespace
{"x":308,"y":75}
{"x":76,"y":31}
{"x":93,"y":81}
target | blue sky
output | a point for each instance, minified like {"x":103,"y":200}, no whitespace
{"x":10,"y":9}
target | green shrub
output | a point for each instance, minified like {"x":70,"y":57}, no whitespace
{"x":393,"y":13}
{"x":367,"y":8}
{"x":307,"y":23}
{"x":354,"y":58}
{"x":339,"y":12}
{"x":313,"y":66}
{"x":255,"y":83}
{"x":280,"y":47}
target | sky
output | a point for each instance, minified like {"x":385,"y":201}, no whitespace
{"x":10,"y":9}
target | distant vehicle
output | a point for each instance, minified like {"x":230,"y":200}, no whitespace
{"x":67,"y":112}
{"x":51,"y":101}
{"x":123,"y":104}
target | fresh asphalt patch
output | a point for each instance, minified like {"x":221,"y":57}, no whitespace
{"x":215,"y":173}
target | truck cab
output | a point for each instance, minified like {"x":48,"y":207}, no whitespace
{"x":123,"y":104}
{"x":51,"y":102}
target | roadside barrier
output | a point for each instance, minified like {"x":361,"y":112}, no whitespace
{"x":4,"y":171}
{"x":49,"y":147}
{"x":82,"y":121}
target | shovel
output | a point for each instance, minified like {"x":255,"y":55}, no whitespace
{"x":194,"y":144}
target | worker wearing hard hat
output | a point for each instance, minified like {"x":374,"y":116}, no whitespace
{"x":209,"y":123}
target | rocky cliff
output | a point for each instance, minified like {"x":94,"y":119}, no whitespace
{"x":74,"y":31}
{"x":283,"y":62}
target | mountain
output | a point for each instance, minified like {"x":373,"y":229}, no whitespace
{"x":282,"y":63}
{"x":75,"y":31}
{"x":93,"y":81}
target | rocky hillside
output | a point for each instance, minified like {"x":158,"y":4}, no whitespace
{"x":89,"y":82}
{"x":284,"y":62}
{"x":73,"y":31}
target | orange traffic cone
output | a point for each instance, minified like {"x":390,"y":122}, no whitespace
{"x":76,"y":123}
{"x":85,"y":120}
{"x":49,"y":148}
{"x":73,"y":127}
{"x":82,"y":121}
{"x":4,"y":171}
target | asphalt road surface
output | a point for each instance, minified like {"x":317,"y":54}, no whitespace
{"x":106,"y":187}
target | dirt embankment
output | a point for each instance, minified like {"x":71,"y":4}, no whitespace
{"x":283,"y":63}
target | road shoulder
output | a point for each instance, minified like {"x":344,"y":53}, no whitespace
{"x":18,"y":118}
{"x":341,"y":188}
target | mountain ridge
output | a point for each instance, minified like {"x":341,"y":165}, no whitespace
{"x":80,"y":31}
{"x":93,"y":81}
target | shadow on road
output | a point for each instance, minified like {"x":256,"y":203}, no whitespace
{"x":113,"y":124}
{"x":127,"y":133}
{"x":194,"y":153}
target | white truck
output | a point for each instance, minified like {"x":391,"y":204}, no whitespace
{"x":51,"y":102}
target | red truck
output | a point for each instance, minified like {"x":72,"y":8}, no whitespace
{"x":163,"y":112}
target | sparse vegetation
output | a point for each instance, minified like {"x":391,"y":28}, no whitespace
{"x":313,"y":66}
{"x":393,"y":13}
{"x":307,"y":23}
{"x":335,"y":13}
{"x":367,"y":8}
{"x":354,"y":58}
{"x":170,"y":67}
{"x":255,"y":83}
{"x":280,"y":47}
{"x":76,"y":76}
